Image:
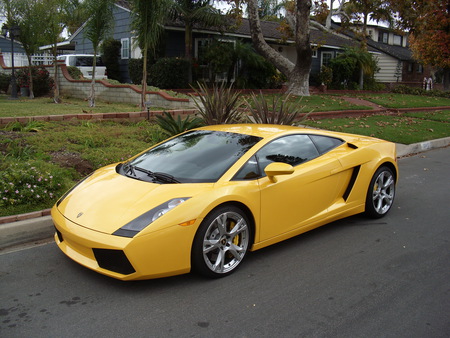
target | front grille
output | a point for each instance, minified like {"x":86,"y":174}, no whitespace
{"x":113,"y":260}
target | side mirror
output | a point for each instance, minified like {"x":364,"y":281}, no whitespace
{"x":278,"y":168}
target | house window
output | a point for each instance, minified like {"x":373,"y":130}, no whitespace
{"x":326,"y":58}
{"x":383,"y":37}
{"x":314,"y":53}
{"x":398,"y":40}
{"x":419,"y":68}
{"x":410,"y":67}
{"x":200,"y":63}
{"x":125,"y":50}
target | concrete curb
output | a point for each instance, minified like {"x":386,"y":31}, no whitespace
{"x":41,"y":228}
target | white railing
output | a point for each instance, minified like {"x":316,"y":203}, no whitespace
{"x":20,"y":60}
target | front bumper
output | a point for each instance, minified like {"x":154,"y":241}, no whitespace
{"x":162,"y":253}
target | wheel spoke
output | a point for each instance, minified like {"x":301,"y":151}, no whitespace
{"x":210,"y":245}
{"x":238,"y":228}
{"x":220,"y":262}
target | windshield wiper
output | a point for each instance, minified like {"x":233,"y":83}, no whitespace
{"x":162,"y":177}
{"x":129,"y":169}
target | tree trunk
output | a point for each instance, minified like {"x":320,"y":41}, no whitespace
{"x":30,"y":76}
{"x":446,"y":80}
{"x":144,"y":77}
{"x":188,"y":49}
{"x":298,"y":74}
{"x":56,"y":98}
{"x":92,"y":93}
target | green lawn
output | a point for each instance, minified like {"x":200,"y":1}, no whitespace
{"x":390,"y":100}
{"x":403,"y":128}
{"x":315,"y":103}
{"x":46,"y":106}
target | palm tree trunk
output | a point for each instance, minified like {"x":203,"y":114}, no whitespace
{"x":30,"y":76}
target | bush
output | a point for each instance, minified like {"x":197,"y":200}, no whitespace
{"x":110,"y":56}
{"x":219,"y":105}
{"x":325,"y":76}
{"x":403,"y":89}
{"x":259,"y":76}
{"x":5,"y":80}
{"x":135,"y":70}
{"x":75,"y":73}
{"x":345,"y":73}
{"x":42,"y":82}
{"x":24,"y":183}
{"x":169,"y":73}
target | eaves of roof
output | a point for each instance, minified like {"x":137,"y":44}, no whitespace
{"x":271,"y":33}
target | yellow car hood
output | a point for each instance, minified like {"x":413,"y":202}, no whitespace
{"x":106,"y":201}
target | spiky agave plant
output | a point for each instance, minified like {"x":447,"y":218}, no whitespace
{"x":282,"y":111}
{"x":218,"y":105}
{"x":172,"y":126}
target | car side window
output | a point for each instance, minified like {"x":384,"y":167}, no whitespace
{"x":292,"y":149}
{"x":325,"y":143}
{"x":249,"y":170}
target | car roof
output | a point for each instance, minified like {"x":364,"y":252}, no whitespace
{"x":261,"y":130}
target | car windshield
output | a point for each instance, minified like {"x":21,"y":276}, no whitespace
{"x":196,"y":156}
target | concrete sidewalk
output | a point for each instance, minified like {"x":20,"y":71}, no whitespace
{"x":41,"y":228}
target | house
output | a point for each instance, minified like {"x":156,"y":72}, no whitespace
{"x":393,"y":59}
{"x":5,"y":49}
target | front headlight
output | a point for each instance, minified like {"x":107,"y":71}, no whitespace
{"x":139,"y":223}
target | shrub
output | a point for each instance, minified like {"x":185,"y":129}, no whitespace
{"x":169,"y":73}
{"x":5,"y":80}
{"x":135,"y":69}
{"x":173,"y":126}
{"x":24,"y":183}
{"x":219,"y":105}
{"x":75,"y":73}
{"x":403,"y":89}
{"x":326,"y":75}
{"x":110,"y":56}
{"x":42,"y":82}
{"x":345,"y":72}
{"x":280,"y":112}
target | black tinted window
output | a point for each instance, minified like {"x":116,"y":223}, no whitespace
{"x":293,"y":150}
{"x":325,"y":143}
{"x":197,"y":156}
{"x":88,"y":61}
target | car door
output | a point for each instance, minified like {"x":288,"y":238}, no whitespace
{"x":302,"y":197}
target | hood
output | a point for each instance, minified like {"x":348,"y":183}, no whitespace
{"x":107,"y":200}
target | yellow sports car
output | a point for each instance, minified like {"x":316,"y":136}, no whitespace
{"x":201,"y":200}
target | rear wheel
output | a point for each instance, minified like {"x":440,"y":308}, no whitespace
{"x":381,"y":193}
{"x":221,"y":242}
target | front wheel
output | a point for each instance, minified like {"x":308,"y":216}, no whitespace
{"x":381,"y":193}
{"x":221,"y":242}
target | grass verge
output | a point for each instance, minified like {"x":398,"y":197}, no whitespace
{"x":402,"y":128}
{"x":390,"y":100}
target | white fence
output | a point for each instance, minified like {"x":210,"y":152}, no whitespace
{"x":20,"y":60}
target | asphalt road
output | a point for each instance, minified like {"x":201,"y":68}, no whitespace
{"x":352,"y":278}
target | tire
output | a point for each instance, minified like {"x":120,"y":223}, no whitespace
{"x":221,"y":242}
{"x":381,"y":193}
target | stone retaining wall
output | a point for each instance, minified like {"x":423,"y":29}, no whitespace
{"x":104,"y":91}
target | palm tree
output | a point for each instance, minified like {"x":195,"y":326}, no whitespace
{"x":147,"y":22}
{"x":31,"y":28}
{"x":365,"y":61}
{"x":97,"y":28}
{"x":192,"y":12}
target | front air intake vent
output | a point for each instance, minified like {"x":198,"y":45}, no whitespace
{"x":113,"y":260}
